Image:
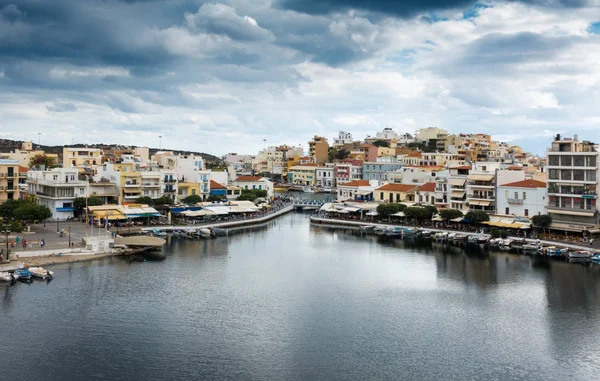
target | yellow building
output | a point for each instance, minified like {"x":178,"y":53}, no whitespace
{"x":395,"y":193}
{"x":188,"y":189}
{"x":82,"y":158}
{"x":26,"y":152}
{"x":303,"y":175}
{"x":9,"y":180}
{"x":386,"y":151}
{"x":130,"y":183}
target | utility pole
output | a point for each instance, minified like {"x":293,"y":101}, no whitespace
{"x":39,"y":140}
{"x":160,"y":142}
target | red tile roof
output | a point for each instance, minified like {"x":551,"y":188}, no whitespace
{"x":526,"y":184}
{"x":397,"y":187}
{"x":216,"y":185}
{"x":414,"y":154}
{"x":248,"y":178}
{"x":23,"y":169}
{"x":461,"y":167}
{"x":515,"y":168}
{"x":356,"y":183}
{"x":427,"y":187}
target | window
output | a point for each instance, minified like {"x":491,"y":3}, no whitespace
{"x":553,"y":160}
{"x":591,"y":175}
{"x":507,"y":211}
{"x":566,"y":161}
{"x":517,"y":195}
{"x":590,"y":161}
{"x":381,"y":196}
{"x":524,"y":196}
{"x":578,"y":161}
{"x":565,"y":174}
{"x":484,"y":168}
{"x":526,"y":212}
{"x":578,"y":175}
{"x":72,"y":177}
{"x":506,"y":193}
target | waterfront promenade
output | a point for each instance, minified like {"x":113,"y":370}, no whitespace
{"x":357,"y":224}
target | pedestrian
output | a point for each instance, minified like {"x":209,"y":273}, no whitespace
{"x":591,"y":242}
{"x":18,"y":240}
{"x":43,"y":242}
{"x":24,"y":243}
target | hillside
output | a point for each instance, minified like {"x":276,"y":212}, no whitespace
{"x":7,"y":145}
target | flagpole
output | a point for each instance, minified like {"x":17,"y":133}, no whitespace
{"x":87,"y":220}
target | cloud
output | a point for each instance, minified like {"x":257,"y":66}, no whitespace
{"x":61,"y":107}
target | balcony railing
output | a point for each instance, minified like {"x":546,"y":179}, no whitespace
{"x":170,"y":181}
{"x":132,"y":185}
{"x":166,"y":190}
{"x":516,"y":201}
{"x":151,"y":185}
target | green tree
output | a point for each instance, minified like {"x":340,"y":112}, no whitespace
{"x":450,"y":214}
{"x":40,"y":160}
{"x":164,"y":200}
{"x":79,"y":203}
{"x":248,"y":196}
{"x":342,"y":154}
{"x":541,"y":221}
{"x":430,"y":211}
{"x":401,"y":207}
{"x":144,"y":200}
{"x":417,"y":213}
{"x":192,"y":199}
{"x":476,"y":217}
{"x":388,"y":209}
{"x":215,"y":197}
{"x":8,"y":207}
{"x":495,"y":232}
{"x":331,"y":152}
{"x":32,"y":212}
{"x":381,"y":143}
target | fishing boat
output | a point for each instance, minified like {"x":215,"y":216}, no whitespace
{"x":366,"y":228}
{"x":379,"y":230}
{"x":483,"y":240}
{"x":596,"y":257}
{"x":580,"y":254}
{"x":24,"y":275}
{"x":531,"y":248}
{"x":159,"y":233}
{"x":425,"y":234}
{"x":553,"y":251}
{"x":441,"y":236}
{"x":7,"y":277}
{"x":326,"y":190}
{"x":41,"y":273}
{"x":205,"y":233}
{"x":308,"y":190}
{"x":505,"y":244}
{"x":495,"y":242}
{"x":472,"y":238}
{"x":408,"y":232}
{"x":459,"y":237}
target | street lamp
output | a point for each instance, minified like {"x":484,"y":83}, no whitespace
{"x":39,"y":140}
{"x":57,"y":225}
{"x":159,"y":142}
{"x":7,"y":231}
{"x":69,"y":228}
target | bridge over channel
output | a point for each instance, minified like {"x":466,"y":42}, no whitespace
{"x":308,"y":204}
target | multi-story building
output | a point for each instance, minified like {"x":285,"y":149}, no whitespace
{"x":318,"y":149}
{"x":441,"y":193}
{"x":360,"y":190}
{"x":379,"y":169}
{"x":325,"y":176}
{"x":303,"y":175}
{"x":457,"y":188}
{"x":25,"y":153}
{"x":429,"y":133}
{"x":57,"y":189}
{"x":151,"y":186}
{"x":126,"y":177}
{"x":190,"y":169}
{"x":395,"y":193}
{"x":342,"y":138}
{"x":525,"y":198}
{"x":85,"y":159}
{"x":347,"y":170}
{"x":425,"y":194}
{"x":572,"y":184}
{"x":9,"y":180}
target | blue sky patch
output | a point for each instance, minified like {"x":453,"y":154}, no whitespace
{"x":595,"y":27}
{"x":474,"y":11}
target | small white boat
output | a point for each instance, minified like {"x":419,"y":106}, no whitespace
{"x":531,"y":248}
{"x":441,"y":236}
{"x":580,"y":254}
{"x":327,"y":190}
{"x":379,"y":230}
{"x":495,"y":242}
{"x":308,"y":190}
{"x":6,"y":276}
{"x":41,"y":273}
{"x":205,"y":233}
{"x":505,"y":244}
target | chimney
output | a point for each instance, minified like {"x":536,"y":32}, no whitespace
{"x":557,"y":137}
{"x":575,"y":137}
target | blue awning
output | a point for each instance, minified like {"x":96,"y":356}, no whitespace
{"x":64,"y":209}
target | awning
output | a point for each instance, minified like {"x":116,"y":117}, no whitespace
{"x":481,"y":177}
{"x":372,"y":213}
{"x":457,"y":182}
{"x":572,"y":212}
{"x":399,"y":214}
{"x":110,"y":214}
{"x":437,"y":218}
{"x":457,"y":194}
{"x":570,"y":227}
{"x":219,"y":210}
{"x":480,"y":202}
{"x":364,"y":192}
{"x":459,"y":219}
{"x":352,"y":209}
{"x":199,"y":213}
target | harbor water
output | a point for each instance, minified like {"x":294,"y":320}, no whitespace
{"x":291,"y":301}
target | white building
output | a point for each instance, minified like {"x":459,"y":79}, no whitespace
{"x":255,"y":182}
{"x":357,"y":189}
{"x":325,"y":176}
{"x":343,"y":138}
{"x":57,"y":189}
{"x":482,"y":182}
{"x":525,"y":198}
{"x":386,"y":134}
{"x":190,"y":169}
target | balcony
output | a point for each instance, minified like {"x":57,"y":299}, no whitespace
{"x":515,"y":201}
{"x":151,"y":185}
{"x":170,"y":181}
{"x":131,"y":185}
{"x":166,"y":190}
{"x":479,"y":196}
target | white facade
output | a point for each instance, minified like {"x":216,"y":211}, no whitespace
{"x":325,"y":177}
{"x":261,"y":183}
{"x":343,"y":138}
{"x":57,"y":189}
{"x":524,"y":200}
{"x":405,"y":139}
{"x":151,"y":184}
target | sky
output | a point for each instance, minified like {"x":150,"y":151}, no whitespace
{"x":224,"y":76}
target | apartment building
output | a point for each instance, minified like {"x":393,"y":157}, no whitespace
{"x":347,"y":170}
{"x":325,"y":176}
{"x":318,"y":150}
{"x":525,"y":198}
{"x":57,"y":189}
{"x":342,"y":138}
{"x":378,"y":170}
{"x":303,"y":175}
{"x":9,"y":179}
{"x":25,"y":152}
{"x":457,"y":188}
{"x":572,"y":184}
{"x":85,"y":159}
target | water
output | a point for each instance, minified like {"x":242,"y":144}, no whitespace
{"x":294,"y":302}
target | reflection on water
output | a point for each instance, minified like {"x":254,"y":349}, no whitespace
{"x":291,"y":301}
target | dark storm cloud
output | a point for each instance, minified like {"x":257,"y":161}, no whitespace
{"x":402,"y":8}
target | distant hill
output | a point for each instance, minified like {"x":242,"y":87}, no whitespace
{"x":7,"y":145}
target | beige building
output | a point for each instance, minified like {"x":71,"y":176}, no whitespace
{"x":82,"y":158}
{"x":25,"y":153}
{"x":9,"y":180}
{"x":395,"y":193}
{"x":303,"y":175}
{"x":318,"y":148}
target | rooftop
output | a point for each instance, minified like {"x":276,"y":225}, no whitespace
{"x":397,"y":187}
{"x":356,"y":183}
{"x":526,"y":184}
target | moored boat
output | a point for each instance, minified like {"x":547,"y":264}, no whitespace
{"x":505,"y":244}
{"x":41,"y":273}
{"x":24,"y":275}
{"x":379,"y":230}
{"x":580,"y":254}
{"x":308,"y":190}
{"x":205,"y":233}
{"x":531,"y":248}
{"x":495,"y":242}
{"x":596,"y":257}
{"x":441,"y":236}
{"x":7,"y":277}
